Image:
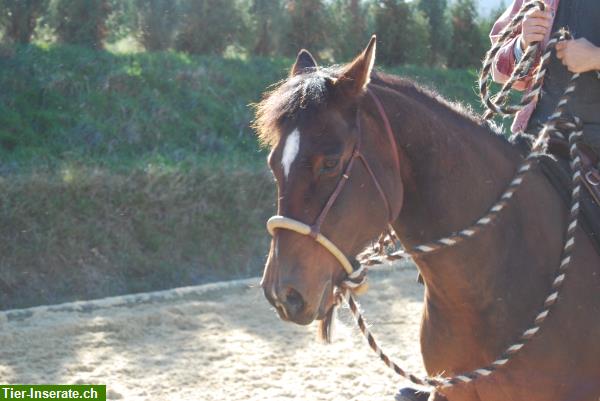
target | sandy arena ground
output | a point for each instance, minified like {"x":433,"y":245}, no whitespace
{"x":213,"y":342}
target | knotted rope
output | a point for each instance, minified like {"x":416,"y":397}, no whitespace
{"x":559,"y":123}
{"x":494,"y":105}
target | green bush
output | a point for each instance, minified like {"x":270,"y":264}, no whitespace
{"x":350,"y":27}
{"x":209,"y":26}
{"x":266,"y":17}
{"x":20,"y":18}
{"x":467,"y":45}
{"x":157,"y":23}
{"x":438,"y":28}
{"x":402,"y":32}
{"x":82,"y":22}
{"x":307,"y":27}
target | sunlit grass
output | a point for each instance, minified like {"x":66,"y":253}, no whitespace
{"x":126,"y":45}
{"x":137,"y":170}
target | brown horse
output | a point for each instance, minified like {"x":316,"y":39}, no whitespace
{"x":479,"y":295}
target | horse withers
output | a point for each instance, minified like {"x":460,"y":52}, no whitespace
{"x":442,"y":172}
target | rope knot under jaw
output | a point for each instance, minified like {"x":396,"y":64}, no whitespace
{"x":356,"y":282}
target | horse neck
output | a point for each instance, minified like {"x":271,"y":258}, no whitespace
{"x":456,"y":168}
{"x":453,"y":171}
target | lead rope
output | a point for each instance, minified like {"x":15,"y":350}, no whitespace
{"x":555,"y":124}
{"x":494,"y":105}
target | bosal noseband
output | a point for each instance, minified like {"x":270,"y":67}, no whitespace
{"x":314,"y":230}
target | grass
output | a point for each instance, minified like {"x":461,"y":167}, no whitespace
{"x":136,"y":172}
{"x":67,"y":104}
{"x":82,"y":233}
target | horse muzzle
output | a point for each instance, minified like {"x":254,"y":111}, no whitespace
{"x":291,"y":305}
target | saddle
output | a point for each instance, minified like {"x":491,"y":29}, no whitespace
{"x":591,"y":174}
{"x":589,"y":164}
{"x":555,"y":165}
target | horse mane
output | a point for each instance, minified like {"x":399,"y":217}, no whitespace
{"x":429,"y":97}
{"x":310,"y":91}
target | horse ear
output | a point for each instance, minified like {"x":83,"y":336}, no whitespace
{"x":304,"y":61}
{"x":357,"y":74}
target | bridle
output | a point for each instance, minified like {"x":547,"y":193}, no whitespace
{"x":356,"y":278}
{"x":314,"y":230}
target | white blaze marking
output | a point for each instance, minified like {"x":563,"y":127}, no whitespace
{"x":290,"y":151}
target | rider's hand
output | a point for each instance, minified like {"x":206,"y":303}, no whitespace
{"x":534,"y":27}
{"x":578,"y":55}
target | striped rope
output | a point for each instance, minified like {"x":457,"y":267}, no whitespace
{"x":495,"y":105}
{"x":378,"y":255}
{"x":362,"y":324}
{"x":540,"y":318}
{"x":557,"y":124}
{"x":484,"y":221}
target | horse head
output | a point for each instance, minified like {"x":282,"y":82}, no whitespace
{"x":316,"y":123}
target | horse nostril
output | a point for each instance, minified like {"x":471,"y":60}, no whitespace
{"x":293,"y":301}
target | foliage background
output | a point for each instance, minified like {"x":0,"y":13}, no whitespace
{"x":126,"y":158}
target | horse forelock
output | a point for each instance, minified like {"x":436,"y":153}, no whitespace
{"x":299,"y":95}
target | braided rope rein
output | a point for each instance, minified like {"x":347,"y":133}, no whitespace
{"x":377,"y":255}
{"x":497,"y":105}
{"x":553,"y":126}
{"x":347,"y":286}
{"x":494,"y":106}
